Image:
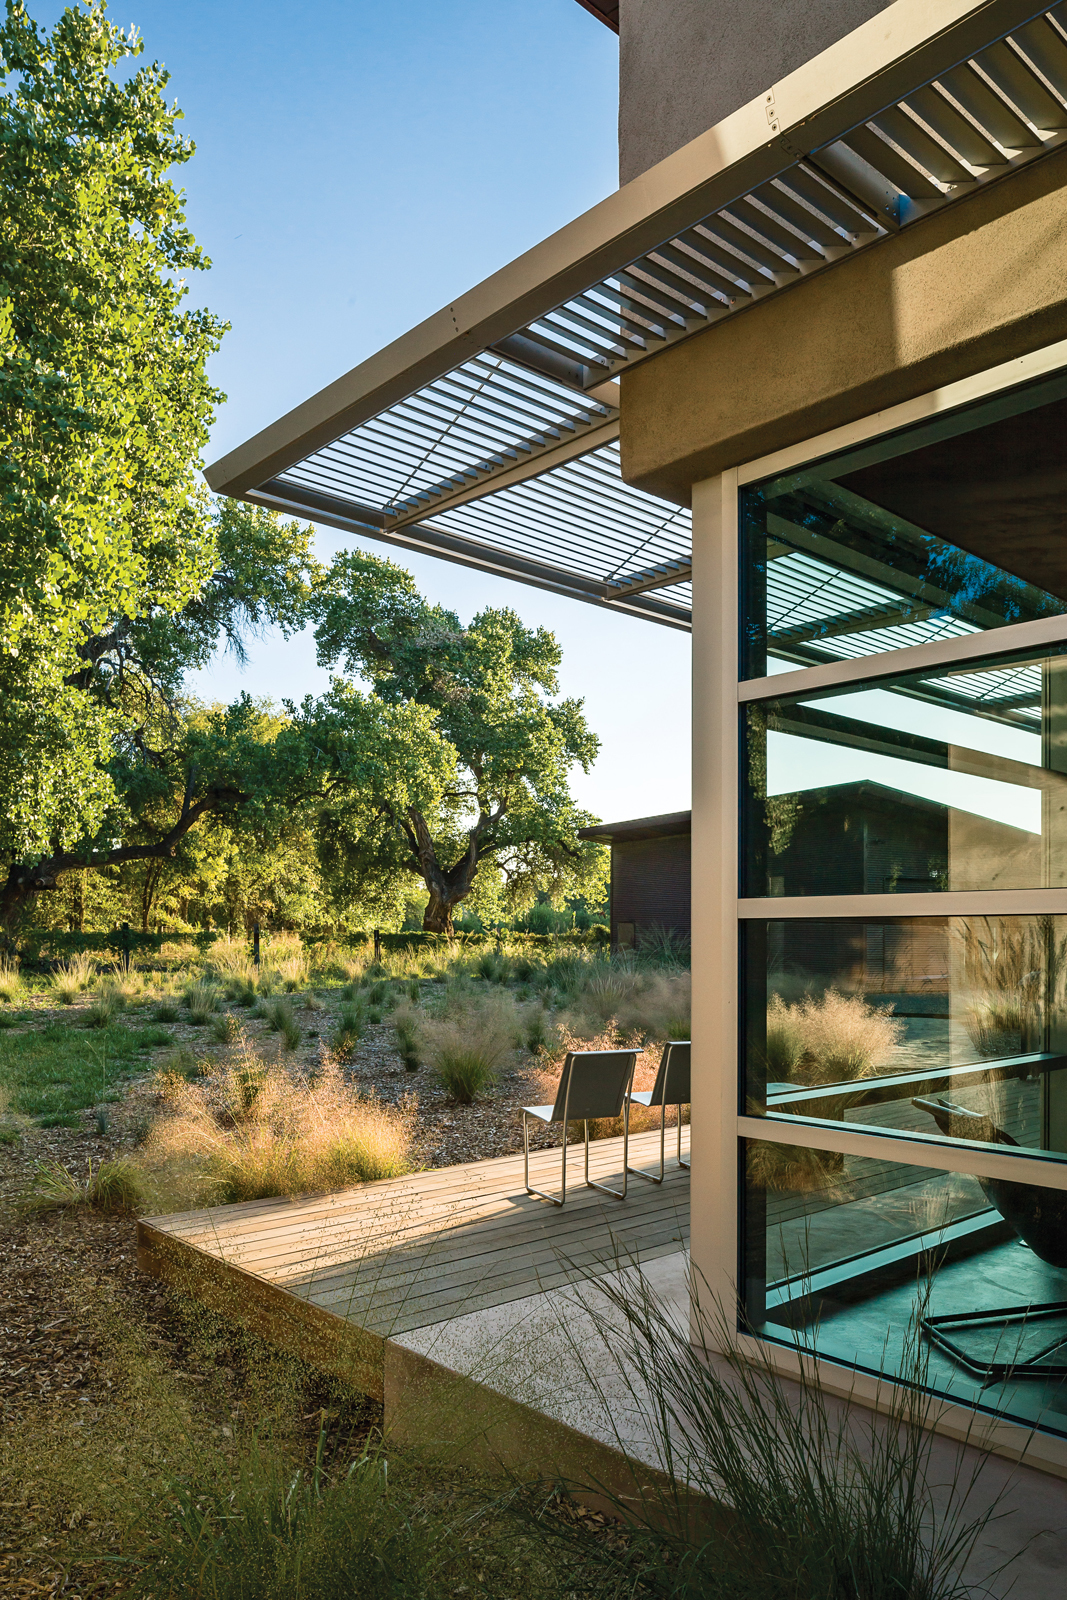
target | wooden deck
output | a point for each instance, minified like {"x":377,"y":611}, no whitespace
{"x":334,"y":1276}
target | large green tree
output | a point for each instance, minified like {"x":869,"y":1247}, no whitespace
{"x":105,"y":404}
{"x":500,"y":800}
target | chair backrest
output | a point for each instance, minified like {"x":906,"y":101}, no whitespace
{"x":671,"y":1087}
{"x":598,"y":1082}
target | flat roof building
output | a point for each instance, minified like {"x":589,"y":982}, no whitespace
{"x":800,"y":387}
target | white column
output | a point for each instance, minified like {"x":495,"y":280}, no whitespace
{"x":714,"y":1025}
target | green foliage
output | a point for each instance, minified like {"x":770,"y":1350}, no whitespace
{"x":57,"y":1071}
{"x":502,"y":812}
{"x":104,"y":404}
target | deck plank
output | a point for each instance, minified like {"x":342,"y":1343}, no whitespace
{"x":403,"y":1253}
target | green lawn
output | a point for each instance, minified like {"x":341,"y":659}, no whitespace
{"x":54,"y":1074}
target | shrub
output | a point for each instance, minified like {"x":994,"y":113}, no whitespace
{"x":466,"y":1050}
{"x":257,"y":1129}
{"x":166,"y":1011}
{"x":114,"y":1186}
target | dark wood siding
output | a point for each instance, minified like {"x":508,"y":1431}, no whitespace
{"x":650,"y":883}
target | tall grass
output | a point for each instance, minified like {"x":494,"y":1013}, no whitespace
{"x":467,"y":1048}
{"x":10,"y":979}
{"x":72,"y":977}
{"x":821,"y":1501}
{"x":256,"y":1129}
{"x":830,"y":1040}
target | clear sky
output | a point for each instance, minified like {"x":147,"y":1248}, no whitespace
{"x":358,"y":164}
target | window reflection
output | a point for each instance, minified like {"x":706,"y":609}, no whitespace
{"x":951,"y":1026}
{"x":854,"y":1257}
{"x":923,"y":783}
{"x":949,"y":528}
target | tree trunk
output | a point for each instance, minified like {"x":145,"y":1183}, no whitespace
{"x":447,"y":888}
{"x":437,"y":918}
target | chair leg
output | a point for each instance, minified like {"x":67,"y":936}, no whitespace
{"x":540,"y":1193}
{"x":681,"y":1163}
{"x":650,"y":1177}
{"x":590,"y":1183}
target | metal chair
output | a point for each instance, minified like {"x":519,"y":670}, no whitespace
{"x":671,"y":1088}
{"x":594,"y":1083}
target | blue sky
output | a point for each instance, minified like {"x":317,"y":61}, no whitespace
{"x":358,"y":164}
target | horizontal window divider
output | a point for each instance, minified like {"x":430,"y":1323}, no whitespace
{"x":908,"y":1149}
{"x":996,"y":1067}
{"x":937,"y":653}
{"x":880,"y":907}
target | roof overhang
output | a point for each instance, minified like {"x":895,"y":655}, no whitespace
{"x":671,"y":825}
{"x":487,"y":434}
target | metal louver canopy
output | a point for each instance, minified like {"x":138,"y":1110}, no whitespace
{"x":487,"y":434}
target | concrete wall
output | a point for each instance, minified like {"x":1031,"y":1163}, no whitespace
{"x":686,"y":64}
{"x":981,"y":282}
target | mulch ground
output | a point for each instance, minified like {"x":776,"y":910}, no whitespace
{"x":51,"y":1359}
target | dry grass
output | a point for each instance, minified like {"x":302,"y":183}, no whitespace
{"x":10,"y":979}
{"x":72,"y":977}
{"x":831,"y":1040}
{"x":467,"y":1048}
{"x":109,"y":1186}
{"x":256,"y":1128}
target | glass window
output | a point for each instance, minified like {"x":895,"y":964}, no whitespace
{"x":953,"y":1281}
{"x":937,"y":531}
{"x":955,"y":780}
{"x":945,"y":1026}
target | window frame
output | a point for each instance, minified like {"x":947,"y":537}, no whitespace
{"x":719,"y":1123}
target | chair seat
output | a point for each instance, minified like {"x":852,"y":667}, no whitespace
{"x":543,"y":1112}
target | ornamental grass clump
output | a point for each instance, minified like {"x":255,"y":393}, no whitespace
{"x":72,"y":977}
{"x":114,"y":1186}
{"x":834,"y":1039}
{"x":468,"y":1047}
{"x":202,"y":1001}
{"x":823,"y":1499}
{"x":257,"y":1128}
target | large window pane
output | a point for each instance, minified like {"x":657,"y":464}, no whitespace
{"x":950,"y":1026}
{"x":946,"y":529}
{"x":849,"y":1256}
{"x":953,"y":780}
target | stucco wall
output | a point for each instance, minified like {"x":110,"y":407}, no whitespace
{"x":686,"y":64}
{"x":981,"y":282}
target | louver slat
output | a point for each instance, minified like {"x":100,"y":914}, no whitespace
{"x":1022,"y":88}
{"x":918,"y":144}
{"x":884,"y":159}
{"x":935,"y":109}
{"x":975,"y":96}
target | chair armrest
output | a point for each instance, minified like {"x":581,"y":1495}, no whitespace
{"x":643,"y":1097}
{"x":542,"y":1113}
